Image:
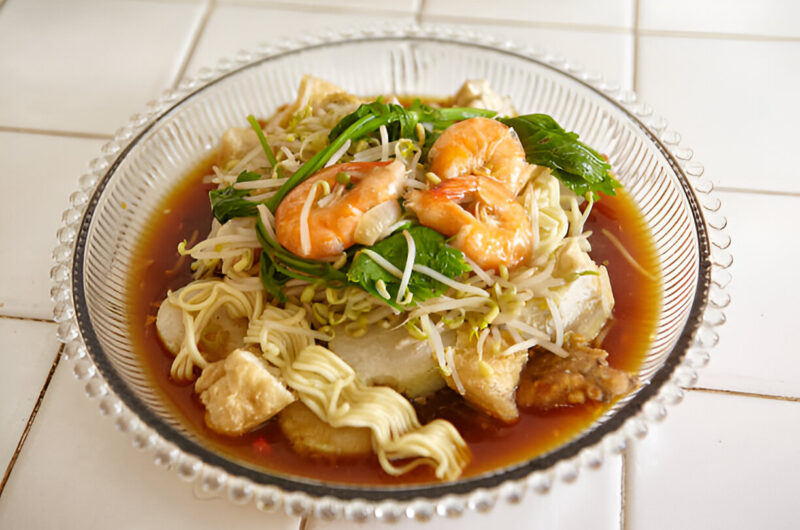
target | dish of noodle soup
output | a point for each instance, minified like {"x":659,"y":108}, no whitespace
{"x":385,"y":291}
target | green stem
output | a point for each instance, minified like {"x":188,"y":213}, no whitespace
{"x":355,"y":130}
{"x":263,"y":139}
{"x":460,"y":113}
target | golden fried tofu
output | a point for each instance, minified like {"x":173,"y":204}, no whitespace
{"x":236,"y":143}
{"x":311,"y":92}
{"x":240,"y":393}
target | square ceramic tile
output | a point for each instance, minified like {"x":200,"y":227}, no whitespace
{"x":758,"y":343}
{"x":750,"y":17}
{"x":718,"y":461}
{"x":36,"y":191}
{"x":258,"y":24}
{"x":607,"y":53}
{"x":614,"y":13}
{"x":88,"y":475}
{"x":398,"y":6}
{"x":29,"y":349}
{"x":592,"y":501}
{"x":88,"y":65}
{"x":735,"y":102}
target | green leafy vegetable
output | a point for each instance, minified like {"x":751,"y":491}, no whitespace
{"x":402,"y":122}
{"x":578,"y":166}
{"x":370,"y":116}
{"x":278,"y":265}
{"x":271,"y":279}
{"x":228,"y":202}
{"x":431,"y":251}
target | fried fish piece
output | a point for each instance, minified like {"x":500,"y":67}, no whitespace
{"x":549,"y":381}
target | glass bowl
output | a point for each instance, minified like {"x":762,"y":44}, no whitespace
{"x":149,"y":155}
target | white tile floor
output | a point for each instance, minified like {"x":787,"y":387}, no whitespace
{"x":45,"y":181}
{"x":609,"y":53}
{"x":611,"y":14}
{"x":763,"y":312}
{"x":29,"y":349}
{"x":728,"y":96}
{"x":345,"y":6}
{"x":726,"y":78}
{"x":254,"y":25}
{"x":772,"y":18}
{"x":709,"y":468}
{"x":99,"y":63}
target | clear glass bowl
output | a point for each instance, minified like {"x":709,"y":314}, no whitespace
{"x":155,"y":149}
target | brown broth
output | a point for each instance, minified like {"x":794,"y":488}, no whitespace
{"x":185,"y":215}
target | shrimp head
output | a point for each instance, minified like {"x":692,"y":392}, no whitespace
{"x":480,"y":146}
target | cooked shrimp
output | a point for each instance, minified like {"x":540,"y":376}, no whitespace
{"x":488,"y":225}
{"x":330,"y":228}
{"x":480,"y":146}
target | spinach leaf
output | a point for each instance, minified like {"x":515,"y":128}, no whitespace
{"x":227,"y":203}
{"x":431,"y":251}
{"x":578,"y":166}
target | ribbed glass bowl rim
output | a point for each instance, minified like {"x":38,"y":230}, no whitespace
{"x":301,"y":496}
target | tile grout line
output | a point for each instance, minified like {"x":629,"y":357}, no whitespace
{"x":623,"y":490}
{"x":54,"y":132}
{"x":308,"y":6}
{"x":316,"y":8}
{"x":635,"y":58}
{"x":717,"y":35}
{"x":527,"y":24}
{"x":757,"y":191}
{"x":740,"y":393}
{"x":187,"y":58}
{"x":615,"y":29}
{"x":623,"y":506}
{"x":27,"y":319}
{"x":24,"y":436}
{"x":418,"y":15}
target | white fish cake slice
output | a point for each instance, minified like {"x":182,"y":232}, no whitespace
{"x":387,"y":357}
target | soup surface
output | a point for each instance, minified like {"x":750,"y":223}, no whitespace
{"x":185,"y":214}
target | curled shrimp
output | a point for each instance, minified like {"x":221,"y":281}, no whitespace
{"x":480,"y":146}
{"x":330,"y":228}
{"x":486,"y":222}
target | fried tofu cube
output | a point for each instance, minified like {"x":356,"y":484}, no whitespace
{"x":240,"y":393}
{"x":236,"y":143}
